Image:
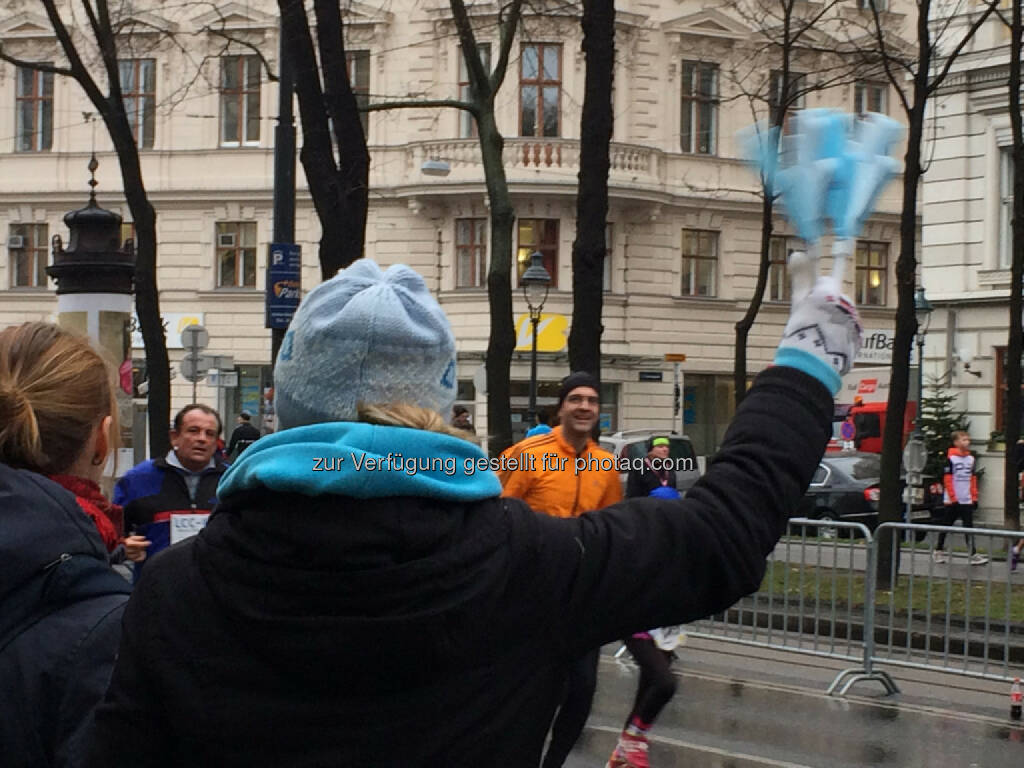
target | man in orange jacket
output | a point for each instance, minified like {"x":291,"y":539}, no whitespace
{"x":564,"y":473}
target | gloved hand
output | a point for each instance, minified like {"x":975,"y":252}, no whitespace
{"x":823,"y":333}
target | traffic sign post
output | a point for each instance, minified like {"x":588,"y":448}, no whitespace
{"x":678,"y":392}
{"x":194,"y":338}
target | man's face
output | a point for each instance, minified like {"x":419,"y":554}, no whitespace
{"x":659,"y":452}
{"x":195,"y":443}
{"x":579,"y":411}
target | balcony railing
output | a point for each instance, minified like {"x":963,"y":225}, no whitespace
{"x":628,"y":162}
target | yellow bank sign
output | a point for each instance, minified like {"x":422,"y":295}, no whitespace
{"x":552,"y":333}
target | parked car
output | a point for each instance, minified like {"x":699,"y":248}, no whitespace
{"x":632,"y":444}
{"x":846,"y":487}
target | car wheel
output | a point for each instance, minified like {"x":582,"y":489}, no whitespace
{"x":826,"y":531}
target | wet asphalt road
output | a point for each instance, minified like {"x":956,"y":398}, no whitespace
{"x":738,"y":715}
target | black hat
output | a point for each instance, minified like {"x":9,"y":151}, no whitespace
{"x":574,"y":380}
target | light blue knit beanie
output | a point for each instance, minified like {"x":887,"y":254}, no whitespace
{"x":364,"y":336}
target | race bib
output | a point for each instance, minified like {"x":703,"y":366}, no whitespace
{"x":668,"y":638}
{"x":185,"y":526}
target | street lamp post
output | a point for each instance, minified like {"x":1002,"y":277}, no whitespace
{"x":915,"y":454}
{"x":923,"y":313}
{"x":536,"y":282}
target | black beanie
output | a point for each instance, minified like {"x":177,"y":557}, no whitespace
{"x":577,"y":379}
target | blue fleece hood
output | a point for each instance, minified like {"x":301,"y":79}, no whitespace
{"x":364,"y":461}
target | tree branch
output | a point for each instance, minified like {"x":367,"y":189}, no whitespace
{"x":951,"y":58}
{"x":245,"y":44}
{"x":38,"y":66}
{"x":886,"y":63}
{"x":380,"y":106}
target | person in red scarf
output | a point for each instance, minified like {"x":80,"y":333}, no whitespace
{"x":64,"y":422}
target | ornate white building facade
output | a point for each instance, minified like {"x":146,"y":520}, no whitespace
{"x":684,"y":218}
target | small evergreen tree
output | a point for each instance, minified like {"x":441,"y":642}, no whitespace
{"x":939,"y":420}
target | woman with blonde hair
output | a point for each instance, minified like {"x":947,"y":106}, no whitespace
{"x":58,"y":418}
{"x":60,"y":602}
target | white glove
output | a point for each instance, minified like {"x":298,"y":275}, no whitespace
{"x":823,"y":333}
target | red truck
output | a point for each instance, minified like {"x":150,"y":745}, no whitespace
{"x":859,"y":420}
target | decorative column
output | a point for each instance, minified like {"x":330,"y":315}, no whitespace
{"x":95,"y":282}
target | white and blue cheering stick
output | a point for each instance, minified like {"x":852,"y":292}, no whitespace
{"x":863,"y":172}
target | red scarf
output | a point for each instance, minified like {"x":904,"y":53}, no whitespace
{"x":106,"y":516}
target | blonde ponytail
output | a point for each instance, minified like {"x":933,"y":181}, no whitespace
{"x":408,"y":415}
{"x":54,"y":390}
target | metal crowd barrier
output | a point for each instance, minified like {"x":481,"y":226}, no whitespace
{"x":954,"y":616}
{"x":819,"y":597}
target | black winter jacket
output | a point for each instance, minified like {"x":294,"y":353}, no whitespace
{"x":60,"y":621}
{"x":406,"y":632}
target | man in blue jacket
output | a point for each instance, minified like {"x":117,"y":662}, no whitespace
{"x":182,"y":483}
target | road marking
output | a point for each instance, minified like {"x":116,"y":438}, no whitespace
{"x":782,"y":687}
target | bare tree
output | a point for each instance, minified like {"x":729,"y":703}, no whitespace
{"x":588,"y":249}
{"x":334,"y":154}
{"x":915,"y":78}
{"x":99,"y":38}
{"x":789,"y":32}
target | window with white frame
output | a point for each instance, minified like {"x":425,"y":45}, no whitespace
{"x":539,"y":235}
{"x":1005,"y":208}
{"x":33,"y":107}
{"x":699,"y":114}
{"x":138,"y":89}
{"x":872,"y":273}
{"x":540,"y":88}
{"x":700,"y":262}
{"x":467,"y":125}
{"x":779,"y":251}
{"x":359,"y":79}
{"x":28,"y":248}
{"x":236,"y":254}
{"x":796,"y":91}
{"x":240,"y":100}
{"x":870,"y":97}
{"x":470,"y":253}
{"x":865,"y":5}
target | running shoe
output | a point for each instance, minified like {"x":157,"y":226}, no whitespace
{"x":631,"y":752}
{"x":979,"y":559}
{"x":938,"y":556}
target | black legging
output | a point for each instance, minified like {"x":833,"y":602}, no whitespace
{"x":964,"y":512}
{"x":572,"y":715}
{"x":657,"y":683}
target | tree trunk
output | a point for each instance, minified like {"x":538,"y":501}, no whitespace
{"x":890,"y":505}
{"x":501,"y":341}
{"x":1011,"y":422}
{"x":743,"y":326}
{"x":588,"y":249}
{"x":339,"y":193}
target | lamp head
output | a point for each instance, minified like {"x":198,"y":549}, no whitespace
{"x":922,"y":310}
{"x":536,"y":282}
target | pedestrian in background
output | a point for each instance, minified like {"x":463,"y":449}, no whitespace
{"x":652,"y":650}
{"x":380,"y":617}
{"x":960,"y":496}
{"x":242,"y":436}
{"x":60,"y":601}
{"x":460,"y":418}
